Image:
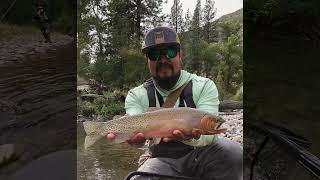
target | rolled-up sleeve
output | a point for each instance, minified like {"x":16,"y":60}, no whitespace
{"x":209,"y":98}
{"x":133,"y":103}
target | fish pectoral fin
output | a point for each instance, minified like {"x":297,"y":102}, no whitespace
{"x":91,"y":139}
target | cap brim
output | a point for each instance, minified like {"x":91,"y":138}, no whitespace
{"x":161,"y":45}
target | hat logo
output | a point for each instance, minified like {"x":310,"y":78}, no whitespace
{"x":159,"y":37}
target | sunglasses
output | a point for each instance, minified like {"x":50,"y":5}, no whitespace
{"x":155,"y":54}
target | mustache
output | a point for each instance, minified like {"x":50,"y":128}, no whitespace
{"x":161,"y":65}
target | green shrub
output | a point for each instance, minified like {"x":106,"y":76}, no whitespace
{"x":239,"y":95}
{"x":111,"y":104}
{"x":86,"y":108}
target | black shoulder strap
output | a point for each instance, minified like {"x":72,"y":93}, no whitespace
{"x":187,"y":96}
{"x":151,"y":92}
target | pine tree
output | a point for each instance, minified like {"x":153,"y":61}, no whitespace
{"x":145,"y":13}
{"x":196,"y":20}
{"x":195,"y":46}
{"x":187,"y":21}
{"x":176,"y":16}
{"x":208,"y":15}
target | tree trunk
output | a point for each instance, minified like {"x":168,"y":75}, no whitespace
{"x":138,"y":20}
{"x":230,"y":105}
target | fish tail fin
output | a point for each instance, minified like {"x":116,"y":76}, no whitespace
{"x":91,"y":139}
{"x":90,"y":128}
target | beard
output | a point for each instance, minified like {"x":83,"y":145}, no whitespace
{"x":166,"y":82}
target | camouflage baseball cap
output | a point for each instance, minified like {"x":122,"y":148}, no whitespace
{"x":160,"y":36}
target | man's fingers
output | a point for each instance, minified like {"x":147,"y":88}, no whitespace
{"x":138,"y":138}
{"x":166,"y":139}
{"x":111,"y":136}
{"x":178,"y":134}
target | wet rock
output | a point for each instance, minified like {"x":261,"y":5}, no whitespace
{"x":11,"y":155}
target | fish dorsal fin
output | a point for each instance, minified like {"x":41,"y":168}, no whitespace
{"x":150,"y":109}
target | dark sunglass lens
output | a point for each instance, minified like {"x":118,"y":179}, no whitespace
{"x":153,"y":55}
{"x":171,"y":53}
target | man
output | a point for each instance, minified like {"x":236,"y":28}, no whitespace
{"x":201,"y":156}
{"x":40,"y":8}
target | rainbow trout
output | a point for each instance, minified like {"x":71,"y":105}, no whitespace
{"x":155,"y":123}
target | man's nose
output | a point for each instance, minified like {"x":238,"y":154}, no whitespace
{"x":163,"y":58}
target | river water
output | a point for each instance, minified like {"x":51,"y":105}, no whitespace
{"x":38,"y":100}
{"x":104,"y":160}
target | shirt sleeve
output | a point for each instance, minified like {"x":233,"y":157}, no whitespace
{"x":208,"y":101}
{"x":133,"y":104}
{"x":208,"y":98}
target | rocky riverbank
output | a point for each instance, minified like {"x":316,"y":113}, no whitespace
{"x":233,"y":124}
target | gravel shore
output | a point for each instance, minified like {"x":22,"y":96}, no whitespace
{"x":233,"y":124}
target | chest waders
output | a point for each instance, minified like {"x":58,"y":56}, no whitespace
{"x":172,"y":149}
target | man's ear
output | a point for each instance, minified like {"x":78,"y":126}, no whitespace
{"x":145,"y":59}
{"x":180,"y":53}
{"x":180,"y":58}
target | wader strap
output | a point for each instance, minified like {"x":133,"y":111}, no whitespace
{"x":151,"y":92}
{"x":187,"y":95}
{"x":160,"y":99}
{"x":173,"y":97}
{"x":181,"y":103}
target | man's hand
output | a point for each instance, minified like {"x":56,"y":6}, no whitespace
{"x":179,"y":135}
{"x":137,"y":140}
